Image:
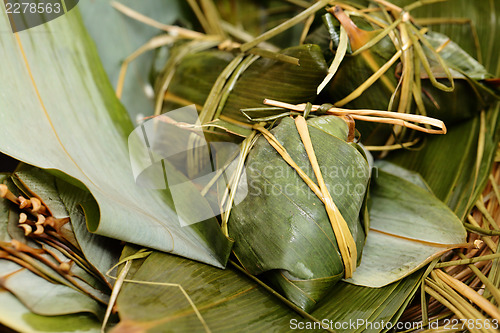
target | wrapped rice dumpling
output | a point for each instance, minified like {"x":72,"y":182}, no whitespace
{"x":282,"y":229}
{"x":254,"y":79}
{"x":425,"y":72}
{"x":446,"y":75}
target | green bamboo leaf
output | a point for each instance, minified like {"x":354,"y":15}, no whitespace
{"x":409,"y":227}
{"x":42,"y":297}
{"x":194,"y":76}
{"x":101,"y":252}
{"x":456,"y":57}
{"x":396,"y":170}
{"x":279,"y":81}
{"x":117,"y":36}
{"x":217,"y":293}
{"x":81,"y":135}
{"x":16,"y":316}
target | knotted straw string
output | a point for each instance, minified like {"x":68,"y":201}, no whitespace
{"x":345,"y":240}
{"x":377,"y":116}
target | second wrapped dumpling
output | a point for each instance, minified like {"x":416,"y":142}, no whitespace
{"x":282,"y":229}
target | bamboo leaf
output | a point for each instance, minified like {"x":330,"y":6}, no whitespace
{"x":285,"y":25}
{"x":409,"y":227}
{"x":219,"y":292}
{"x":117,"y":36}
{"x":42,"y":297}
{"x":101,"y":252}
{"x":477,"y":28}
{"x":463,"y":176}
{"x":15,"y":315}
{"x":396,"y":170}
{"x":69,"y":107}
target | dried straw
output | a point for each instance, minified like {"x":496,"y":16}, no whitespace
{"x":465,"y":284}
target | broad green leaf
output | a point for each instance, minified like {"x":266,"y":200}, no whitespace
{"x":16,"y":316}
{"x":229,"y":301}
{"x":195,"y":75}
{"x":396,"y":170}
{"x":101,"y":252}
{"x":43,"y":297}
{"x":117,"y":36}
{"x":59,"y":87}
{"x":257,"y":17}
{"x":290,"y":238}
{"x":398,"y":206}
{"x":408,"y":228}
{"x":457,"y":58}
